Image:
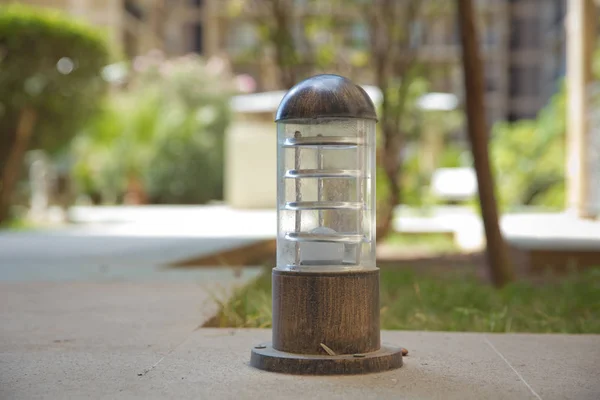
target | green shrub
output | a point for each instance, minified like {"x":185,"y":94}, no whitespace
{"x":529,"y":157}
{"x":50,"y":77}
{"x":166,"y":130}
{"x":50,"y":63}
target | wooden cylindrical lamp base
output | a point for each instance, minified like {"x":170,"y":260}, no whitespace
{"x":326,"y":323}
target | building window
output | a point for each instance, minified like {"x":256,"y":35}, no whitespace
{"x":524,"y":81}
{"x":134,"y":9}
{"x":490,"y":83}
{"x":360,"y":35}
{"x":491,"y":76}
{"x":525,"y":34}
{"x":242,"y":38}
{"x":455,"y":34}
{"x":490,"y":34}
{"x":198,"y":38}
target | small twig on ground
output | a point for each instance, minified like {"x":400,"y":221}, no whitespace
{"x":328,"y":350}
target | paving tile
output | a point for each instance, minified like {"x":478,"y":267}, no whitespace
{"x":214,"y":364}
{"x":554,"y":366}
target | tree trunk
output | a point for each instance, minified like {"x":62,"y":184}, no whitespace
{"x":497,"y":254}
{"x":12,"y":168}
{"x":283,"y":43}
{"x":391,"y":164}
{"x":391,"y":157}
{"x":135,"y":193}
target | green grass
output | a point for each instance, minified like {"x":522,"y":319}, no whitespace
{"x":17,"y":224}
{"x":423,"y":242}
{"x":452,"y":302}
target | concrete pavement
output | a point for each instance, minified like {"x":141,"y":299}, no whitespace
{"x":171,"y":359}
{"x":130,"y":243}
{"x":71,"y":256}
{"x":131,"y":339}
{"x":91,"y":337}
{"x":94,"y":300}
{"x":92,"y":311}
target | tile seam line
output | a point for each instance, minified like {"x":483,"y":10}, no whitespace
{"x":511,"y":367}
{"x":153,"y":366}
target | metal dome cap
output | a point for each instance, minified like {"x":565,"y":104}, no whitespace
{"x":325,"y":96}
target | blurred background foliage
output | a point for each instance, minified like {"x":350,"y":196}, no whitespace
{"x":159,"y":138}
{"x":412,"y":124}
{"x":50,"y":85}
{"x":52,"y":64}
{"x":529,"y":158}
{"x":529,"y":155}
{"x":426,"y":131}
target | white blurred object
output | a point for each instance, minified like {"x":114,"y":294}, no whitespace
{"x":40,"y":176}
{"x":469,"y":235}
{"x":115,"y":73}
{"x":457,"y":184}
{"x":438,"y":102}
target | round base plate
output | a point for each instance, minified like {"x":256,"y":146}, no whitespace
{"x":265,"y":357}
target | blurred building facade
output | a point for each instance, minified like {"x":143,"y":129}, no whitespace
{"x":523,"y":44}
{"x":536,"y":54}
{"x":523,"y":41}
{"x":138,"y":26}
{"x":523,"y":48}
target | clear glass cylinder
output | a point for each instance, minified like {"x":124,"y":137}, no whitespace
{"x":326,"y":195}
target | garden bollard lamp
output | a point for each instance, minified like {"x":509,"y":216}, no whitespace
{"x":326,"y":282}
